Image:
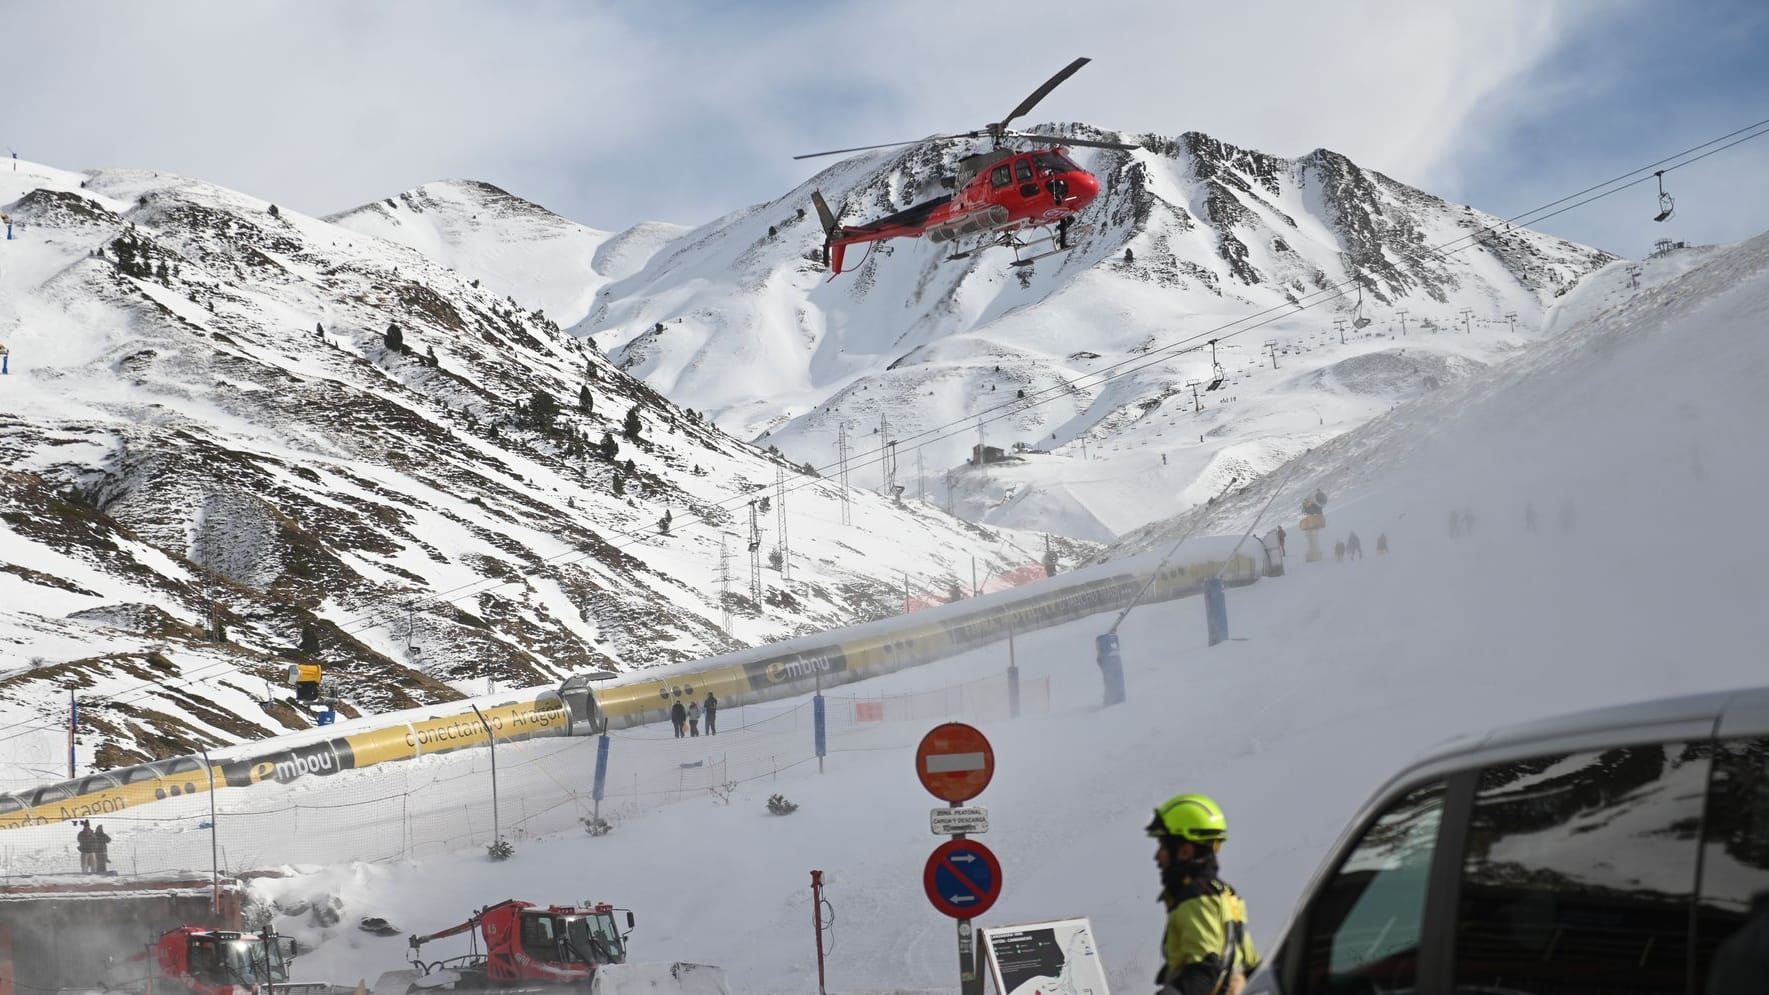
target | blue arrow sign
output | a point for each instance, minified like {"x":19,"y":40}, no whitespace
{"x":962,"y":878}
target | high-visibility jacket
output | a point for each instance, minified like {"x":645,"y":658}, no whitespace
{"x":1207,"y":943}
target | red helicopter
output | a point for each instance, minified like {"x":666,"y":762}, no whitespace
{"x":1000,"y":193}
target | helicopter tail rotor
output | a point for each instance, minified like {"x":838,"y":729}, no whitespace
{"x":832,"y":230}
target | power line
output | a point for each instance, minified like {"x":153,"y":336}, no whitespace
{"x":1184,"y":346}
{"x":1060,"y":389}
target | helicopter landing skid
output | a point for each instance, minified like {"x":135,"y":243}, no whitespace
{"x":1074,"y":233}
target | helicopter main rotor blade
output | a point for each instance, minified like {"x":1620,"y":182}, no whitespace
{"x":1043,"y":91}
{"x":887,"y":145}
{"x":1060,"y":140}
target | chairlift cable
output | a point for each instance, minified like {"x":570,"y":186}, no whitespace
{"x":1125,"y":367}
{"x":1094,"y":379}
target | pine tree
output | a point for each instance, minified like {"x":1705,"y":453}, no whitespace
{"x":432,"y":355}
{"x":543,"y":410}
{"x":620,"y":485}
{"x":309,"y":640}
{"x":610,"y":448}
{"x":663,"y":524}
{"x":395,"y":338}
{"x":632,"y":426}
{"x":319,"y":330}
{"x":585,"y":402}
{"x":274,"y":212}
{"x":632,"y":471}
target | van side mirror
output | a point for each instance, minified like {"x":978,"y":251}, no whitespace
{"x":288,"y":946}
{"x":629,"y":919}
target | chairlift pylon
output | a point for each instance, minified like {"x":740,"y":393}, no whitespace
{"x":1666,"y":206}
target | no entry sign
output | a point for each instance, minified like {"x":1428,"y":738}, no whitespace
{"x":962,"y":878}
{"x":954,"y":762}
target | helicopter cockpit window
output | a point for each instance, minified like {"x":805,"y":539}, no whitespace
{"x":1000,"y":176}
{"x":1023,"y":170}
{"x":1051,"y":162}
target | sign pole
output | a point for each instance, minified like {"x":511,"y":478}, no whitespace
{"x":970,"y":982}
{"x":962,"y":878}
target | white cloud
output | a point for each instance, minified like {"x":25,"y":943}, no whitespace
{"x":613,"y":113}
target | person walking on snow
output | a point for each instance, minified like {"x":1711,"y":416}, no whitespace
{"x":1382,"y":544}
{"x":678,"y":717}
{"x":1354,"y":547}
{"x":711,"y":708}
{"x":1339,"y":552}
{"x":101,"y":850}
{"x":694,"y":718}
{"x":1206,"y":946}
{"x":85,"y":842}
{"x":1281,"y":541}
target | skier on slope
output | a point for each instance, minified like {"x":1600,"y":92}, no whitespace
{"x":1206,"y":947}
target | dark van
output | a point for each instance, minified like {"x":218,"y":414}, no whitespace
{"x":1618,"y":851}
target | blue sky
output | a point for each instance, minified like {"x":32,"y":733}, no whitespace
{"x":618,"y":112}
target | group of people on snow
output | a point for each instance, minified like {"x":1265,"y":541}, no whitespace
{"x":94,"y":847}
{"x":686,"y":719}
{"x":1352,"y":547}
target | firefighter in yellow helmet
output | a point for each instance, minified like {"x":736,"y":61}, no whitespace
{"x":1206,"y":948}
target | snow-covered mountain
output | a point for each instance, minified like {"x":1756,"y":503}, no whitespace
{"x":1085,"y":360}
{"x":225,"y":418}
{"x":514,"y":247}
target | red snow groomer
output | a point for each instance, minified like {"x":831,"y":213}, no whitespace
{"x":203,"y":961}
{"x":530,"y":948}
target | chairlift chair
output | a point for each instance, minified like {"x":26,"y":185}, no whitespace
{"x":1217,"y":374}
{"x":1666,"y":206}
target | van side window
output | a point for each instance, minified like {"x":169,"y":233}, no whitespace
{"x":1363,"y":930}
{"x":1732,"y":915}
{"x":1580,"y":871}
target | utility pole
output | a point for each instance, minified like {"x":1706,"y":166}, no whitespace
{"x":1511,"y":316}
{"x":724,"y":585}
{"x":1403,"y":322}
{"x":948,"y":492}
{"x":1197,"y":405}
{"x":842,"y":449}
{"x":982,"y":443}
{"x":1271,"y":346}
{"x":887,"y":473}
{"x":920,"y":478}
{"x":755,"y":553}
{"x":1339,"y":323}
{"x":1466,"y":325}
{"x":780,"y":523}
{"x":491,"y":738}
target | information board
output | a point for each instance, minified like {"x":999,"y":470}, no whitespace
{"x":1050,"y":958}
